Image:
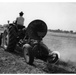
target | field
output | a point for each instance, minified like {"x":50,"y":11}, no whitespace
{"x":62,"y":42}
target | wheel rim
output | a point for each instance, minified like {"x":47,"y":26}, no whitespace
{"x":52,"y":59}
{"x":6,"y":39}
{"x":26,"y":55}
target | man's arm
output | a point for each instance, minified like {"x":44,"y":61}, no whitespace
{"x":16,"y":20}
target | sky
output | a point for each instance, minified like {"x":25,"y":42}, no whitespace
{"x":57,"y":15}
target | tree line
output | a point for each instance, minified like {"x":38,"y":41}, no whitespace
{"x":62,"y":31}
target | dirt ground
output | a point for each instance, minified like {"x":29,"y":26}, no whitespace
{"x":14,"y":63}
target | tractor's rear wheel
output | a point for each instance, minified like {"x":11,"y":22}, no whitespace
{"x":9,"y":39}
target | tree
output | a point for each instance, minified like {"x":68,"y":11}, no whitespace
{"x":71,"y":31}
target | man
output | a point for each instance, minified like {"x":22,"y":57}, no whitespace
{"x":20,"y":24}
{"x":20,"y":21}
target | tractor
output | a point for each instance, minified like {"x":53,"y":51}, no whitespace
{"x":30,"y":40}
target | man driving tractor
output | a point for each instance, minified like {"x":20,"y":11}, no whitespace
{"x":20,"y":25}
{"x":20,"y":21}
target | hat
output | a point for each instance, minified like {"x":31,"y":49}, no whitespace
{"x":21,"y":13}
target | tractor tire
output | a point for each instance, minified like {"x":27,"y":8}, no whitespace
{"x":53,"y":58}
{"x":41,"y":51}
{"x":28,"y":54}
{"x":9,"y":39}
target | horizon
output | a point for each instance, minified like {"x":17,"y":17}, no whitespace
{"x":57,"y":15}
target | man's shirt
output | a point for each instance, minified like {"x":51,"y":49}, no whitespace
{"x":20,"y":20}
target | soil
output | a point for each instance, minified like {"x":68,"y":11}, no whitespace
{"x":14,"y":63}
